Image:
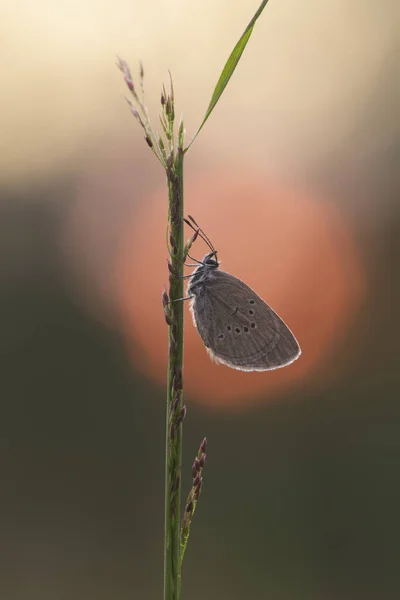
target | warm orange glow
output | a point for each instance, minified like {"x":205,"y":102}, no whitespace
{"x":292,"y":248}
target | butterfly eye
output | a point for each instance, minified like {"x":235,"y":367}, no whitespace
{"x":246,"y":329}
{"x":252,"y":302}
{"x":252,"y":325}
{"x":251,"y":312}
{"x":237,"y":330}
{"x":229,"y":327}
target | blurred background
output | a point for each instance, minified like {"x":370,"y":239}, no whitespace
{"x":295,"y":178}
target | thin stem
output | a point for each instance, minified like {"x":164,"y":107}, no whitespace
{"x":175,"y":408}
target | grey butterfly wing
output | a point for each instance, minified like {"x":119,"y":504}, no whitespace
{"x":239,"y":329}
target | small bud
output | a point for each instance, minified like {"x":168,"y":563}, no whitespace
{"x":181,"y":416}
{"x":172,"y":243}
{"x":203,"y":446}
{"x":172,"y":85}
{"x":195,"y":467}
{"x":170,"y":268}
{"x":123,"y":66}
{"x":196,"y":480}
{"x":194,"y":237}
{"x":198,"y":489}
{"x":190,"y":242}
{"x":162,"y":99}
{"x":135,"y":112}
{"x":175,"y":403}
{"x":129,"y":83}
{"x":141,"y":70}
{"x":181,"y":134}
{"x":164,"y":297}
{"x":202,"y":461}
{"x":178,"y":379}
{"x":148,"y":140}
{"x":189,"y":507}
{"x":168,"y":320}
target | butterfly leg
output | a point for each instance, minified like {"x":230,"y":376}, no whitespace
{"x":195,"y":259}
{"x":184,"y":276}
{"x":178,"y":299}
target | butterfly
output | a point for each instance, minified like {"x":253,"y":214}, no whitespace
{"x":237,"y":327}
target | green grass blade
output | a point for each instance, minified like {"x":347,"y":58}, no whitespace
{"x":229,"y":68}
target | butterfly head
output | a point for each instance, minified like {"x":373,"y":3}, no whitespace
{"x":210,"y":260}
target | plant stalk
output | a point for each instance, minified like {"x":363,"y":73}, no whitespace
{"x":175,"y":408}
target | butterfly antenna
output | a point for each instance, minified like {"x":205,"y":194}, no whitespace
{"x":205,"y":237}
{"x":201,"y":234}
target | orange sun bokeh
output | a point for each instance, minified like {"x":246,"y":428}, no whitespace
{"x":292,"y":248}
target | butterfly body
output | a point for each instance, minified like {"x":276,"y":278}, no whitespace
{"x":237,"y":327}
